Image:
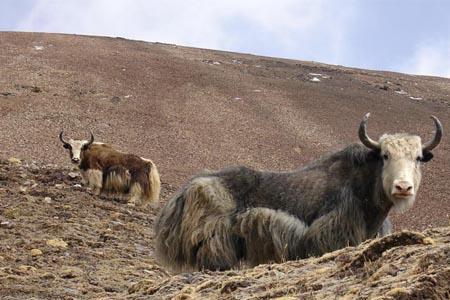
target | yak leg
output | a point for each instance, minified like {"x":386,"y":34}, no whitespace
{"x":135,"y":194}
{"x":332,"y":231}
{"x":93,"y":178}
{"x":269,"y":235}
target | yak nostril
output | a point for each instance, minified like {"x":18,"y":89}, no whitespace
{"x":403,"y":187}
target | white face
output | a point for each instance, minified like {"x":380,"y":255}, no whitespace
{"x":75,"y":147}
{"x":401,"y":168}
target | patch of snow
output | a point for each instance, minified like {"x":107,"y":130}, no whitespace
{"x":401,"y":92}
{"x":39,"y":48}
{"x":415,"y":98}
{"x":127,"y":96}
{"x":315,"y":79}
{"x":257,"y":91}
{"x":319,"y":75}
{"x":237,"y":98}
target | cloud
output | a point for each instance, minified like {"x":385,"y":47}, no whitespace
{"x":303,"y":29}
{"x":430,"y":59}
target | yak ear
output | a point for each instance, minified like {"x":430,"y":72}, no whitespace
{"x":427,"y":156}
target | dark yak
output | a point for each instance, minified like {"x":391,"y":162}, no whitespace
{"x":221,"y":218}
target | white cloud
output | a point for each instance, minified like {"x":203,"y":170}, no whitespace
{"x":430,"y":59}
{"x":305,"y":29}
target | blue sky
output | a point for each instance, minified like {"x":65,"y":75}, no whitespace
{"x":411,"y":36}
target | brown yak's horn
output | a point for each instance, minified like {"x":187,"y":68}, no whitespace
{"x":365,"y":139}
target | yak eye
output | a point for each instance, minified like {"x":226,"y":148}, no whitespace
{"x":385,"y":157}
{"x":419,"y":158}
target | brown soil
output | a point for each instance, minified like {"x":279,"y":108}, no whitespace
{"x":186,"y":109}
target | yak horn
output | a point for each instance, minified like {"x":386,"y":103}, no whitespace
{"x":62,"y":139}
{"x":92,"y":139}
{"x":428,"y":146}
{"x":365,"y":139}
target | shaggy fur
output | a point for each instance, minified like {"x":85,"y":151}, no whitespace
{"x":220,"y":218}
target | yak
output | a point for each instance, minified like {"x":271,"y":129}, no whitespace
{"x":112,"y":173}
{"x":240,"y":215}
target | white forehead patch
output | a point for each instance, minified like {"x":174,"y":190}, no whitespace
{"x":401,"y":145}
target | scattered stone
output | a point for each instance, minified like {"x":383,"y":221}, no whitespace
{"x":36,"y":89}
{"x":22,"y":189}
{"x":58,"y":186}
{"x":14,"y":160}
{"x":57,"y":243}
{"x":237,"y":98}
{"x":73,"y":175}
{"x":12,"y":213}
{"x":39,"y":48}
{"x":315,"y":79}
{"x":127,"y":96}
{"x":415,"y":98}
{"x":71,"y":272}
{"x":115,"y":99}
{"x":36,"y":252}
{"x":77,"y":186}
{"x":401,"y":92}
{"x":5,"y":224}
{"x":47,"y":200}
{"x":48,"y":276}
{"x":26,"y":269}
{"x":6,"y":94}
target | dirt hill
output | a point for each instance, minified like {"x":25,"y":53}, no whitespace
{"x":187,"y":109}
{"x":59,"y":242}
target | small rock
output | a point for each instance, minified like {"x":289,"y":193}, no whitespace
{"x":26,"y":269}
{"x":115,"y":99}
{"x":36,"y":252}
{"x":77,"y":186}
{"x":14,"y":160}
{"x":47,"y":276}
{"x":36,"y":89}
{"x":48,"y":200}
{"x":22,"y":189}
{"x":5,"y":224}
{"x":57,"y":243}
{"x":315,"y":79}
{"x":71,"y":272}
{"x":58,"y":186}
{"x":73,"y":175}
{"x":39,"y":48}
{"x":401,"y":92}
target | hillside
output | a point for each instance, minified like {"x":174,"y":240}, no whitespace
{"x":59,"y":242}
{"x":186,"y":109}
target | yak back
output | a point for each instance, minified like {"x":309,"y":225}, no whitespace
{"x":352,"y":174}
{"x":103,"y":157}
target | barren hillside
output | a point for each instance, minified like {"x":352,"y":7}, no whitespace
{"x":187,"y":109}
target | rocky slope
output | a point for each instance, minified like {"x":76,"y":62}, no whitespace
{"x":57,"y":241}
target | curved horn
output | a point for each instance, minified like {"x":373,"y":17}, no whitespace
{"x":365,"y":139}
{"x":92,"y":139}
{"x":62,"y":139}
{"x":428,"y":146}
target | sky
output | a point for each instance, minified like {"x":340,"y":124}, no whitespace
{"x":408,"y":36}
